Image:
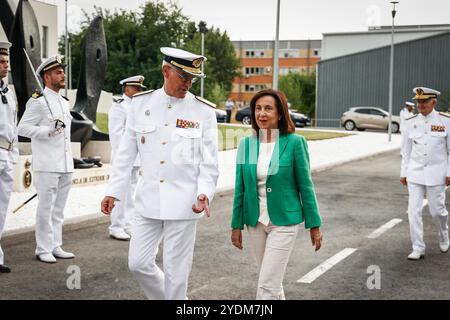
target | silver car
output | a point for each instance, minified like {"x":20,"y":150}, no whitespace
{"x":363,"y":118}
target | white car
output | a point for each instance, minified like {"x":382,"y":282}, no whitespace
{"x":362,"y":118}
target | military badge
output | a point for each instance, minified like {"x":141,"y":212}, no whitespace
{"x":187,"y":124}
{"x":436,"y":128}
{"x":197,"y":62}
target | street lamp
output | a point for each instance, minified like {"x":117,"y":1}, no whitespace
{"x":391,"y":72}
{"x":202,"y":28}
{"x":275,"y":50}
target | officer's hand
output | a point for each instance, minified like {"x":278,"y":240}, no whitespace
{"x":447,"y":181}
{"x":236,"y":238}
{"x":202,"y":204}
{"x":107,"y":205}
{"x":316,"y":237}
{"x":404,"y":182}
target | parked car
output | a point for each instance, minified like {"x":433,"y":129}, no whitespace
{"x":221,"y":115}
{"x":362,"y":118}
{"x":299,"y":119}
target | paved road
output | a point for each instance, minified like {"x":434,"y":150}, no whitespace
{"x":354,"y":199}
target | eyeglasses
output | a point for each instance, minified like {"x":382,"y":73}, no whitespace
{"x":184,"y":77}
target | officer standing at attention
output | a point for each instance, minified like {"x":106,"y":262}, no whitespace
{"x":46,"y":121}
{"x":9,"y":150}
{"x":122,"y":214}
{"x":425,"y":168}
{"x":405,"y":113}
{"x":175,"y":134}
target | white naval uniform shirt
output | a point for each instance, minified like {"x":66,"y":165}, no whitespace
{"x":117,"y":119}
{"x":50,"y":153}
{"x":426,"y":149}
{"x":404,"y":114}
{"x":8,"y":128}
{"x":177,"y":143}
{"x":264,"y":157}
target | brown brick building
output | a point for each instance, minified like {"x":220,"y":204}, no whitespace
{"x":256,"y":58}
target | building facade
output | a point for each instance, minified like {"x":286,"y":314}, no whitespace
{"x":362,"y":78}
{"x":256,"y":60}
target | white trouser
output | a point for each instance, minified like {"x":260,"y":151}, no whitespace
{"x":6,"y":183}
{"x":178,"y":248}
{"x":436,"y":203}
{"x":271,"y":245}
{"x":122,"y":213}
{"x":52,"y":189}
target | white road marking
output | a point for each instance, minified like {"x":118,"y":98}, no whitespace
{"x":326,"y":265}
{"x":383,"y":228}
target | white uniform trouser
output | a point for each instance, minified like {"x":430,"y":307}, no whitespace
{"x":436,"y":203}
{"x":272,"y":245}
{"x":6,"y":183}
{"x":178,"y":240}
{"x":52,"y":189}
{"x":122,"y":213}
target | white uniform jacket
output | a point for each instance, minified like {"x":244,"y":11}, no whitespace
{"x":8,"y":128}
{"x":426,"y":149}
{"x":51,"y":153}
{"x":404,"y":114}
{"x":117,"y":118}
{"x":177,"y":143}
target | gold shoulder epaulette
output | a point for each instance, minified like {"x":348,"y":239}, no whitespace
{"x":36,"y":94}
{"x":444,"y":114}
{"x":143,"y":93}
{"x":412,"y":117}
{"x":209,"y":103}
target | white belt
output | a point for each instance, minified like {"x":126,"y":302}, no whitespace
{"x":5,"y":144}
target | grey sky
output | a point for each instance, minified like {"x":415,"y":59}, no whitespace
{"x":300,"y":19}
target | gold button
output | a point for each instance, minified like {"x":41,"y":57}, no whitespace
{"x":166,"y":124}
{"x":163,"y":142}
{"x":162,"y":162}
{"x":142,"y":139}
{"x":169,"y":106}
{"x":161,"y":181}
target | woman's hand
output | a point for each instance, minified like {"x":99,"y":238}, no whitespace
{"x":316,"y":237}
{"x":236,"y":238}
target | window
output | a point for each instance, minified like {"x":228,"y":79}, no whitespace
{"x":316,"y":52}
{"x":254,"y":53}
{"x":250,"y":71}
{"x":44,"y":42}
{"x":255,"y":87}
{"x":376,"y":112}
{"x":363,"y":111}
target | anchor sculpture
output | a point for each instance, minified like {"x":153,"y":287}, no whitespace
{"x":23,"y":31}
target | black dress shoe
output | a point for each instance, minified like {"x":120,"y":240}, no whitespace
{"x":4,"y":269}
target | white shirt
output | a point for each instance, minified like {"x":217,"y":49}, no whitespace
{"x":264,"y":157}
{"x":8,"y":119}
{"x":426,"y":149}
{"x":177,"y":141}
{"x":51,"y":153}
{"x":404,"y":114}
{"x":117,"y":119}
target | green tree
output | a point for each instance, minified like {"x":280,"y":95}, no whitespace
{"x":444,"y":101}
{"x":134,"y":38}
{"x":300,"y":90}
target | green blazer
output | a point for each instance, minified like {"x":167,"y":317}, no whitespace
{"x":290,"y":191}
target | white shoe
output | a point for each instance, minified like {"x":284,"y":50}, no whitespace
{"x":444,"y":246}
{"x":122,"y":235}
{"x":61,"y":254}
{"x":416,"y":255}
{"x":46,"y":257}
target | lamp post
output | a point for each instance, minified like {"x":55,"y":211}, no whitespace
{"x":66,"y":48}
{"x":275,"y":50}
{"x":391,"y":73}
{"x":202,"y":29}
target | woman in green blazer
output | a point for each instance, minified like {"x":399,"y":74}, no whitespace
{"x":274,"y":191}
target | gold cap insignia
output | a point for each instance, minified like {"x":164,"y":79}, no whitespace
{"x":197,"y":62}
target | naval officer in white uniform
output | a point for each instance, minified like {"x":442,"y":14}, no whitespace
{"x":175,"y":134}
{"x":9,"y":150}
{"x":122,"y":213}
{"x":405,"y":113}
{"x":46,"y":121}
{"x":425,"y":168}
